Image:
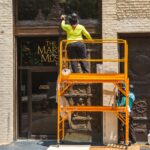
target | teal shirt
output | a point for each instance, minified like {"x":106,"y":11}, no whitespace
{"x":123,"y":100}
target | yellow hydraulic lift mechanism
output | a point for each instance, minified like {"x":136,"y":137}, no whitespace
{"x":64,"y":82}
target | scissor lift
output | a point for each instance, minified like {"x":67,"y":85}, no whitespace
{"x":64,"y":82}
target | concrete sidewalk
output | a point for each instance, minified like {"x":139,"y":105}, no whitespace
{"x":45,"y":145}
{"x":135,"y":147}
{"x":88,"y":147}
{"x":118,"y":147}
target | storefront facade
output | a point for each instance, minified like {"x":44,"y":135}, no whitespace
{"x":29,"y":62}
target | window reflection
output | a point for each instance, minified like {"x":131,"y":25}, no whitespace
{"x":23,"y":100}
{"x":44,"y":113}
{"x":43,"y":107}
{"x":87,"y":9}
{"x":52,"y":9}
{"x":38,"y":51}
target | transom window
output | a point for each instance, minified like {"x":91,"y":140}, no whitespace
{"x":52,"y":9}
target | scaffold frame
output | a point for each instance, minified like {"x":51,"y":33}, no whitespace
{"x":64,"y":82}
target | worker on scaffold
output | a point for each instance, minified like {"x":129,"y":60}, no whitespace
{"x":76,"y":49}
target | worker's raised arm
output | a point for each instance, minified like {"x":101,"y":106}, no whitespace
{"x":86,"y":33}
{"x":64,"y":26}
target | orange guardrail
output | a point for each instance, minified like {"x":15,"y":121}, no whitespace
{"x":66,"y":81}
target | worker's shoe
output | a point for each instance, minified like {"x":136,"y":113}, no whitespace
{"x":129,"y":143}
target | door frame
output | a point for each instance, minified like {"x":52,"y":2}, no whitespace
{"x":135,"y":35}
{"x":31,"y":70}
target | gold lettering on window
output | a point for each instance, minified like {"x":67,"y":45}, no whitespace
{"x":48,"y":52}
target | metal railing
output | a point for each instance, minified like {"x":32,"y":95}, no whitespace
{"x":116,"y":79}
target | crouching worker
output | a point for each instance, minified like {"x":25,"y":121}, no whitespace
{"x":76,"y":49}
{"x":122,"y":102}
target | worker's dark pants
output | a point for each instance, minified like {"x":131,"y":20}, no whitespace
{"x":77,"y":50}
{"x":132,"y":136}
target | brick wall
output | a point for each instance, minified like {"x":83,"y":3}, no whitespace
{"x":109,"y":51}
{"x":120,"y":16}
{"x":6,"y":72}
{"x":131,"y":9}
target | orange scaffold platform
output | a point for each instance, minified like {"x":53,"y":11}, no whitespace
{"x":64,"y":82}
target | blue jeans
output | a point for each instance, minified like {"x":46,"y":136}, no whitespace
{"x":77,"y":50}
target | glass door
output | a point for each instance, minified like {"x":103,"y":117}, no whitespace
{"x":43,"y":106}
{"x":37,"y":76}
{"x":38,"y":107}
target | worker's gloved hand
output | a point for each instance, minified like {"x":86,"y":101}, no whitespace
{"x":62,"y":17}
{"x":66,"y":71}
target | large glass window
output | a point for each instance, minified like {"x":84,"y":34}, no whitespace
{"x":52,"y":9}
{"x":38,"y":51}
{"x":86,"y":9}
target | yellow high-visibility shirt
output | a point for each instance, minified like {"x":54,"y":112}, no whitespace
{"x":75,"y":34}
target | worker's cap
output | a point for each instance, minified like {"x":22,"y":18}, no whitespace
{"x":131,"y":86}
{"x":73,"y":18}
